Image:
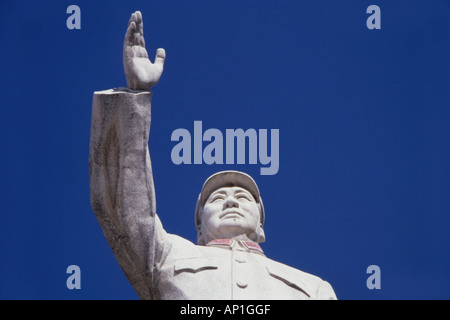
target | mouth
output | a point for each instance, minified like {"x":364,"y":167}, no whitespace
{"x":231,"y":213}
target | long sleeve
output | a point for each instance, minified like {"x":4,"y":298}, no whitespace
{"x":121,"y":184}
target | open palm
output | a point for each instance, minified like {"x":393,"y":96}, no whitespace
{"x":140,"y":72}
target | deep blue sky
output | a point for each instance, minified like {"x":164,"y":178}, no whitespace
{"x":363,"y":116}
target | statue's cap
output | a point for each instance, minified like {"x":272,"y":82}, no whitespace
{"x":228,"y":179}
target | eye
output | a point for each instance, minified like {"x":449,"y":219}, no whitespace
{"x":243,"y":196}
{"x":217,"y":197}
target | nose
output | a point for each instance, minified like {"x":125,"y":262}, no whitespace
{"x":230,"y":202}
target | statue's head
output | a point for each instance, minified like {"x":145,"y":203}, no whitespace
{"x":229,"y":207}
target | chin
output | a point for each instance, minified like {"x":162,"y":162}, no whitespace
{"x":232,"y":222}
{"x":231,"y":229}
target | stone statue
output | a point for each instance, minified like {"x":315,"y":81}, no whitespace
{"x":227,"y":263}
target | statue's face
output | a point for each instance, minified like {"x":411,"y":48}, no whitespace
{"x":230,"y":212}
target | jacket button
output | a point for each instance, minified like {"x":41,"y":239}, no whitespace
{"x":240,"y":257}
{"x":242,"y":284}
{"x":240,"y":260}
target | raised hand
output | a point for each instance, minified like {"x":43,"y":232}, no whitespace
{"x":140,"y":72}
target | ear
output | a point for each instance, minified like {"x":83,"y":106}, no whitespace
{"x":262,"y":236}
{"x":200,"y":238}
{"x":198,"y":222}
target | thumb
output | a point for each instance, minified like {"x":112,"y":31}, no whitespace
{"x":160,"y":57}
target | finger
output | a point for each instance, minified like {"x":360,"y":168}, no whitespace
{"x":139,"y":22}
{"x":136,"y":39}
{"x":129,"y":35}
{"x":139,"y":39}
{"x":160,"y":56}
{"x":142,"y":41}
{"x":133,"y":17}
{"x":135,"y":30}
{"x":140,"y":27}
{"x":132,"y":22}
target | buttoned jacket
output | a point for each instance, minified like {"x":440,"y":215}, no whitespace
{"x":160,"y":265}
{"x":230,"y":269}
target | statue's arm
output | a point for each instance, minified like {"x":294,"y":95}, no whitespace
{"x":121,"y":179}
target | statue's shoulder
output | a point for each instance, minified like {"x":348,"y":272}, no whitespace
{"x":311,"y":284}
{"x":182,"y":248}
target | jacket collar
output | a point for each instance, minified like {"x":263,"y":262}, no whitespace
{"x":251,"y":246}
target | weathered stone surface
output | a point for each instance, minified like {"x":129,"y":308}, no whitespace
{"x":228,"y":262}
